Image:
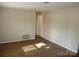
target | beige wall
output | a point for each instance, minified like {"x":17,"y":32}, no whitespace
{"x":16,"y":23}
{"x":61,"y":27}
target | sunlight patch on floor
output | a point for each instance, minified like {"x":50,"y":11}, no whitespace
{"x":34,"y":47}
{"x":39,"y":45}
{"x":29,"y":48}
{"x":47,"y":47}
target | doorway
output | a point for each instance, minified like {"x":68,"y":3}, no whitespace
{"x":39,"y":24}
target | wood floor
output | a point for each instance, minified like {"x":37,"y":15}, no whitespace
{"x":43,"y":48}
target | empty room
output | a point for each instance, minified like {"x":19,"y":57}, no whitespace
{"x":39,"y":29}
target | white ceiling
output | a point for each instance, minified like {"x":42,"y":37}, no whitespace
{"x":39,"y":6}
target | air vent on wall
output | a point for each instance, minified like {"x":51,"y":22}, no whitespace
{"x":26,"y":36}
{"x":45,"y":2}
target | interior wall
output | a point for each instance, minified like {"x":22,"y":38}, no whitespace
{"x":61,"y":27}
{"x":15,"y":23}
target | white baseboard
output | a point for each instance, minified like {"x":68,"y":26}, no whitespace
{"x":64,"y":46}
{"x":61,"y":45}
{"x":15,"y":41}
